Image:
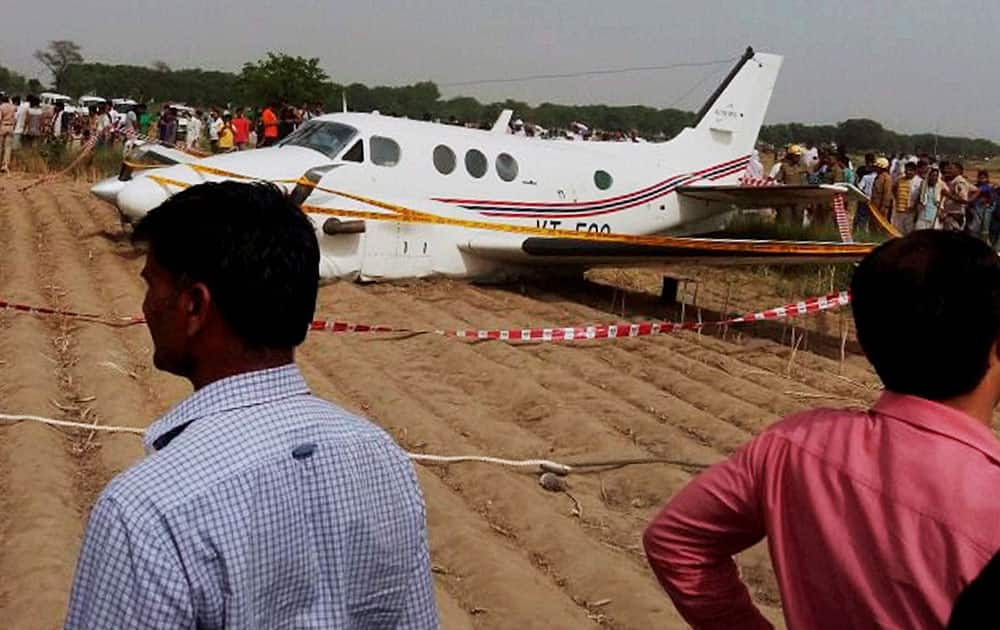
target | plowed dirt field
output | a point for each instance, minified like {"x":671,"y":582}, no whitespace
{"x":506,"y":553}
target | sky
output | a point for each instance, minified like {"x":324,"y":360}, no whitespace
{"x":917,"y":66}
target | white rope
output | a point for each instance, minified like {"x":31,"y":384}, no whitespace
{"x":542,"y":464}
{"x":73,"y":425}
{"x":545,"y":465}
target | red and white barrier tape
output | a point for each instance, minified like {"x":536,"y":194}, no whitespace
{"x":560,"y":333}
{"x":840,"y":215}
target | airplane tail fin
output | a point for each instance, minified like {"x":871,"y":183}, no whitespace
{"x":731,"y":118}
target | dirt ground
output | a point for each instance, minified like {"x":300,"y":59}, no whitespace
{"x":506,"y":553}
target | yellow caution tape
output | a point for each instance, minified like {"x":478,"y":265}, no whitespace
{"x":402,"y":214}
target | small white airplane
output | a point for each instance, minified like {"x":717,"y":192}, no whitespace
{"x":396,"y":198}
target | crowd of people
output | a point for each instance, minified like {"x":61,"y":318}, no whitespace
{"x":27,"y":123}
{"x":913,"y":192}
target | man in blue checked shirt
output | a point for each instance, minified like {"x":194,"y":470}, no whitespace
{"x":259,"y":505}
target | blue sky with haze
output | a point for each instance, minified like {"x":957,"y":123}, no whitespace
{"x":915,"y":66}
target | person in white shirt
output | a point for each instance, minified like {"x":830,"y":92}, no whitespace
{"x":810,"y":159}
{"x":213,"y":130}
{"x":20,"y":120}
{"x":193,"y":132}
{"x":915,"y":184}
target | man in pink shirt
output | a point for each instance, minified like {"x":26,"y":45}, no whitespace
{"x":874,"y":518}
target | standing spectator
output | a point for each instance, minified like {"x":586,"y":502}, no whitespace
{"x":20,"y":119}
{"x":881,"y":195}
{"x":192,"y":138}
{"x":269,"y":124}
{"x":58,"y":118}
{"x":227,"y":135}
{"x":34,"y":122}
{"x":928,"y":202}
{"x":214,"y":127}
{"x":958,"y":193}
{"x":130,"y":123}
{"x":168,"y":127}
{"x":981,"y":208}
{"x":287,"y":123}
{"x":865,"y":175}
{"x":103,"y":124}
{"x":902,"y":216}
{"x":844,"y":162}
{"x":917,"y":182}
{"x":144,"y":120}
{"x":260,"y":505}
{"x":877,"y":517}
{"x":241,"y":129}
{"x":810,"y":158}
{"x":8,"y":113}
{"x":791,"y":173}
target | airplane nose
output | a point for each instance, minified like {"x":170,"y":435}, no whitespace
{"x":108,"y":189}
{"x":139,"y":196}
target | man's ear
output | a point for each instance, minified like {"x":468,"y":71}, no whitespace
{"x":196,"y":301}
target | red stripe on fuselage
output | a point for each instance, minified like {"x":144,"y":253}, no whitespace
{"x":570,"y":204}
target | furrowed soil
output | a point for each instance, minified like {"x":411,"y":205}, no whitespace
{"x":506,"y":552}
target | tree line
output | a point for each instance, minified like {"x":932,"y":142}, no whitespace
{"x":297,"y":80}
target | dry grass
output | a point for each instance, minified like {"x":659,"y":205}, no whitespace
{"x":51,"y":157}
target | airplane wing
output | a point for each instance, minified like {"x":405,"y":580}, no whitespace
{"x":769,"y":196}
{"x":714,"y":251}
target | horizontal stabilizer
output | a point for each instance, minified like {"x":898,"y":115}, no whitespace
{"x":777,"y":196}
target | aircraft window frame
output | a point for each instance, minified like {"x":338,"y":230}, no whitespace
{"x":375,"y":144}
{"x":451,"y":160}
{"x":478,"y":155}
{"x":348,"y":154}
{"x":598,"y":179}
{"x":507,"y":172}
{"x":316,"y":135}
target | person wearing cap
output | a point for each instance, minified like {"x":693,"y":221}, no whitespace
{"x":881,"y":197}
{"x":8,"y":112}
{"x":791,"y":173}
{"x":877,"y":517}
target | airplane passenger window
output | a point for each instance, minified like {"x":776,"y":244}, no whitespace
{"x":506,"y":167}
{"x":355,"y":153}
{"x":444,"y":159}
{"x":326,"y":137}
{"x":602,"y":179}
{"x":385,"y":151}
{"x":475,"y":163}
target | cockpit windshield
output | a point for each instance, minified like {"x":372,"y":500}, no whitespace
{"x":329,"y":138}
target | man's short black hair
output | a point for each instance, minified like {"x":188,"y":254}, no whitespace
{"x":927,"y":311}
{"x":254,"y":249}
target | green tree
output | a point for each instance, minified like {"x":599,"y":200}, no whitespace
{"x":11,"y":82}
{"x":284,"y":79}
{"x":60,"y":55}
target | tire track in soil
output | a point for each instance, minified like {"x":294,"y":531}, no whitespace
{"x":461,"y":358}
{"x":110,"y":388}
{"x":43,"y":478}
{"x":511,"y":501}
{"x":642,"y":482}
{"x":117,"y":265}
{"x":498,"y":577}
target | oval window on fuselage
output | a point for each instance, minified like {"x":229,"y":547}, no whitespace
{"x":506,"y":167}
{"x":444,"y":159}
{"x":475,"y":163}
{"x":603,"y":180}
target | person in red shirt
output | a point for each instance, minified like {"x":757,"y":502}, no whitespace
{"x":875,"y":518}
{"x":269,"y":121}
{"x":241,"y":129}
